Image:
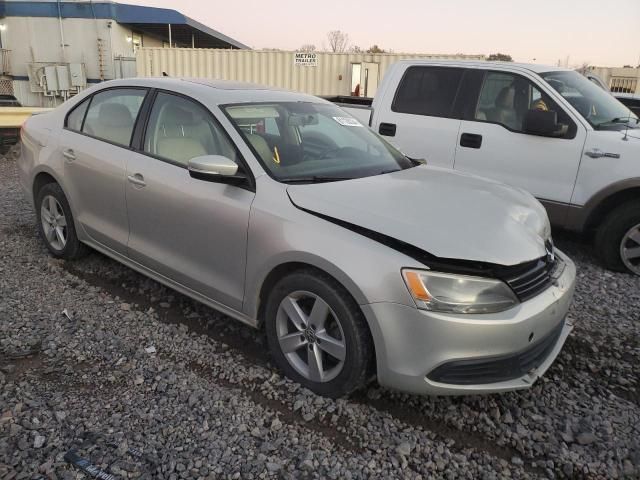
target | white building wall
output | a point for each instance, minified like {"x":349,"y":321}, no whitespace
{"x":616,"y":77}
{"x":38,"y":39}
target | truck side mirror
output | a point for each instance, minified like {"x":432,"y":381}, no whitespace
{"x":544,"y":123}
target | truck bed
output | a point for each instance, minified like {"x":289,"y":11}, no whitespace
{"x":359,"y":107}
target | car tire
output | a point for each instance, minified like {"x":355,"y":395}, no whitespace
{"x":56,"y":225}
{"x":312,"y":309}
{"x":614,"y":237}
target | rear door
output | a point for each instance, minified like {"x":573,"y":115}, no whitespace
{"x":191,"y":231}
{"x":95,"y":144}
{"x":421,"y":122}
{"x":493,"y":144}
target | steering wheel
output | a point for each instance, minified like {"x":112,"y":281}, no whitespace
{"x":582,"y":105}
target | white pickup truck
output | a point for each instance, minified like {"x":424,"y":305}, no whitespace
{"x":545,"y":129}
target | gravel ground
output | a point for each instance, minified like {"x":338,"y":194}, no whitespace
{"x":93,"y":354}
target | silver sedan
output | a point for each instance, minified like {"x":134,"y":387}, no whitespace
{"x":286,"y":213}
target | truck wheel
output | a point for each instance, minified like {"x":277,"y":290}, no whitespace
{"x":618,"y":238}
{"x":55,"y":223}
{"x":317,"y":334}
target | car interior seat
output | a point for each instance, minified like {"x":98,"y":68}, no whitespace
{"x":114,"y":123}
{"x":261,"y":146}
{"x":504,"y":111}
{"x":180,"y":136}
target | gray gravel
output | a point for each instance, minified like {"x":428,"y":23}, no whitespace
{"x":93,"y":353}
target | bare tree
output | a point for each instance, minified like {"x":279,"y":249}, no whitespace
{"x":355,"y":49}
{"x":338,"y":41}
{"x":376,"y":49}
{"x":307,"y":47}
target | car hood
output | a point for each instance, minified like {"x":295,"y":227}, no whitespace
{"x":448,"y":214}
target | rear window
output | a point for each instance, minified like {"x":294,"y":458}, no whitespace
{"x":428,"y":91}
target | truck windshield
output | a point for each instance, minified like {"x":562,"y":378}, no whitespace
{"x":598,"y":107}
{"x":305,"y":142}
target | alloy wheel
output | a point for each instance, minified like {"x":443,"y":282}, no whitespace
{"x":630,"y":249}
{"x":54,"y":222}
{"x":311,"y":336}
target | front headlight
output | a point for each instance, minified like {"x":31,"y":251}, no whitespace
{"x":444,"y":292}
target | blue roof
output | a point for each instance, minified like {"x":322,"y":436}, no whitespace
{"x":119,"y":12}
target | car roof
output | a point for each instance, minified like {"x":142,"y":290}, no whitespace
{"x":532,"y":67}
{"x":218,"y":91}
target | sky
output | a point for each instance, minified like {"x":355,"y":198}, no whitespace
{"x":597,"y":32}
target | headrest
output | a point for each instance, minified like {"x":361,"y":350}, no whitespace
{"x":505,"y":97}
{"x":114,"y":115}
{"x":261,"y":146}
{"x":174,"y":115}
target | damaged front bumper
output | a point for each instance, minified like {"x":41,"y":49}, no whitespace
{"x":453,"y":354}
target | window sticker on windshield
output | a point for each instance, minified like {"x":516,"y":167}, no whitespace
{"x":347,"y":121}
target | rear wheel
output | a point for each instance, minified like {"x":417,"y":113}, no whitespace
{"x":317,"y":334}
{"x":55,"y":222}
{"x":618,"y":238}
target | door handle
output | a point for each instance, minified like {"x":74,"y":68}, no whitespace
{"x":387,"y":129}
{"x":69,"y":155}
{"x":137,"y":180}
{"x":470,"y":140}
{"x":594,"y":153}
{"x":597,"y":153}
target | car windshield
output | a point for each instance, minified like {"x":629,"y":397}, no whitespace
{"x":598,"y":107}
{"x":300,"y":142}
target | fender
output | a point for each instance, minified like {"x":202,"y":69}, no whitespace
{"x":581,"y":218}
{"x":254,"y":286}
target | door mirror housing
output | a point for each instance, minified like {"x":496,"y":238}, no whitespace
{"x":214,"y":168}
{"x":544,"y":123}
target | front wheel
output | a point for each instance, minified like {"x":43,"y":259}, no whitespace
{"x":618,"y":238}
{"x":317,"y":334}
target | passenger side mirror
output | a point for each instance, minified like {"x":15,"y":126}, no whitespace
{"x":544,"y":123}
{"x":214,"y":168}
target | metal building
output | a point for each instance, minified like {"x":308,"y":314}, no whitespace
{"x":50,"y":50}
{"x":317,"y":73}
{"x":619,"y":80}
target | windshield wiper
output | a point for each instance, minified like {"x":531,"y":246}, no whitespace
{"x":313,"y":179}
{"x":619,"y":120}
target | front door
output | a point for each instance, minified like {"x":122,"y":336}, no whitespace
{"x":191,"y":231}
{"x":94,"y":145}
{"x":492,"y":143}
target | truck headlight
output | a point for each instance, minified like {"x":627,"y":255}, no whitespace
{"x":444,"y":292}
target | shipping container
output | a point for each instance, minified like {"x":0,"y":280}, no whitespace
{"x":317,"y":73}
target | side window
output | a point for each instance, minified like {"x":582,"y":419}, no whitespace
{"x":505,"y":98}
{"x":112,"y":114}
{"x":180,"y":129}
{"x":428,"y":91}
{"x":76,"y":116}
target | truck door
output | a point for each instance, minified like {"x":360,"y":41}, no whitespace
{"x":492,"y":142}
{"x":420,"y":122}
